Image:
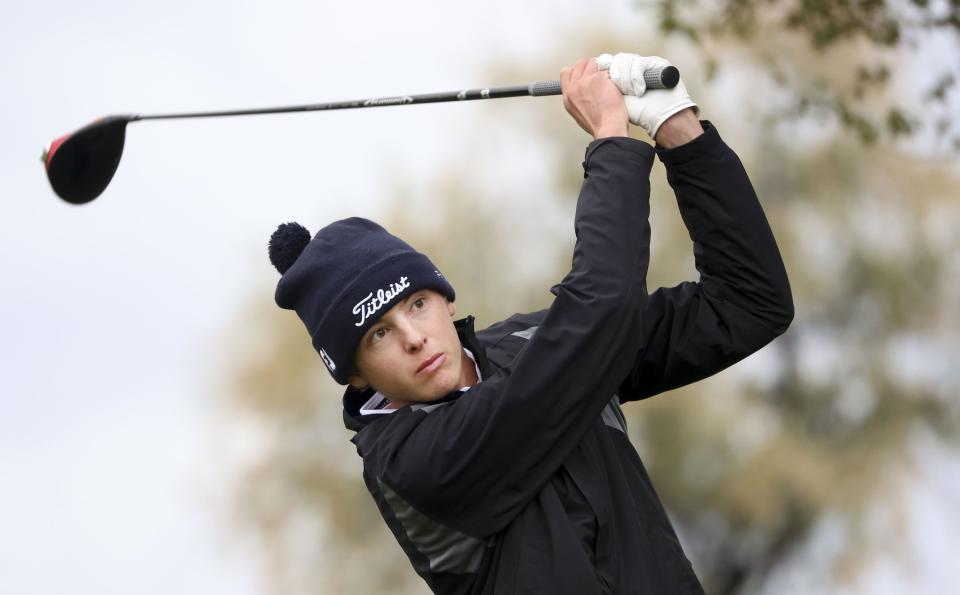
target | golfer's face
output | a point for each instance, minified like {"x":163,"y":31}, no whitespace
{"x":413,"y":353}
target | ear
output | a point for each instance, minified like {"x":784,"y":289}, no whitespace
{"x":451,"y":308}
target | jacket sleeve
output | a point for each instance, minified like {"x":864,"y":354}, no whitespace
{"x":474,"y":463}
{"x":743,"y":299}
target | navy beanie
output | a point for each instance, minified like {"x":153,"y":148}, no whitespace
{"x":344,"y":279}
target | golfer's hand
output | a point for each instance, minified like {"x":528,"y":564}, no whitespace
{"x":593,"y":100}
{"x":651,"y":108}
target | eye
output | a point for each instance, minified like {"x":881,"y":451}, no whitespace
{"x":378,"y":334}
{"x":420,"y":303}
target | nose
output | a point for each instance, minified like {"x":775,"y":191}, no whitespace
{"x":413,"y":337}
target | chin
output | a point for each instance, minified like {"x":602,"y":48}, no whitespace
{"x":440,"y":385}
{"x":439,"y":390}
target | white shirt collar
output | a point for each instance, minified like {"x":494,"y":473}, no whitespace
{"x":377,"y":404}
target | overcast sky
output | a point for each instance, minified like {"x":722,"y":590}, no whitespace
{"x":110,"y":312}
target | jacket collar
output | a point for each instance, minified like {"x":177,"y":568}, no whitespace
{"x":469,"y":340}
{"x":354,"y":399}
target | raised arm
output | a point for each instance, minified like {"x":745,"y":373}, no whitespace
{"x":742,"y":300}
{"x":473,"y":463}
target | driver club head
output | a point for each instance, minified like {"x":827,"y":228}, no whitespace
{"x":80,"y":165}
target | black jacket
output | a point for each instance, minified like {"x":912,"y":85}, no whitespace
{"x":528,"y":484}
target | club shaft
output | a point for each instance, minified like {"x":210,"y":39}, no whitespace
{"x":535,"y":89}
{"x":655,"y":78}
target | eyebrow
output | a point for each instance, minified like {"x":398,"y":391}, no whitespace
{"x":366,"y":335}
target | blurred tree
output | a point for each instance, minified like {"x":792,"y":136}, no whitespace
{"x":814,"y":430}
{"x":797,"y":41}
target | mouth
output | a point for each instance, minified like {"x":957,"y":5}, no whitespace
{"x":432,"y":364}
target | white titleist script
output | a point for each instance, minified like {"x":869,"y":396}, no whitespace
{"x":372,"y":304}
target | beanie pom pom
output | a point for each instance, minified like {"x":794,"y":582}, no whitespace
{"x":286,"y":245}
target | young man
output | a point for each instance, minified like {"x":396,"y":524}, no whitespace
{"x":500,"y":458}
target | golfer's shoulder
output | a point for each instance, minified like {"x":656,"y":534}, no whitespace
{"x":519,"y":326}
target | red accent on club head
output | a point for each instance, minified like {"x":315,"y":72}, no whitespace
{"x":51,"y":149}
{"x":80,"y":165}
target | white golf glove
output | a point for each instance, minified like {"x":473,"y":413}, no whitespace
{"x":647,"y":108}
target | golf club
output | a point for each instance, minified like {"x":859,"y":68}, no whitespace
{"x":80,"y":165}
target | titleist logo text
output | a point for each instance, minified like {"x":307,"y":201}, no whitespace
{"x":372,"y":304}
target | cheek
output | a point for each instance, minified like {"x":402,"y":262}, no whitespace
{"x":376,"y":367}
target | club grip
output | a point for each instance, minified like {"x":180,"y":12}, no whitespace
{"x":542,"y":88}
{"x":665,"y":77}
